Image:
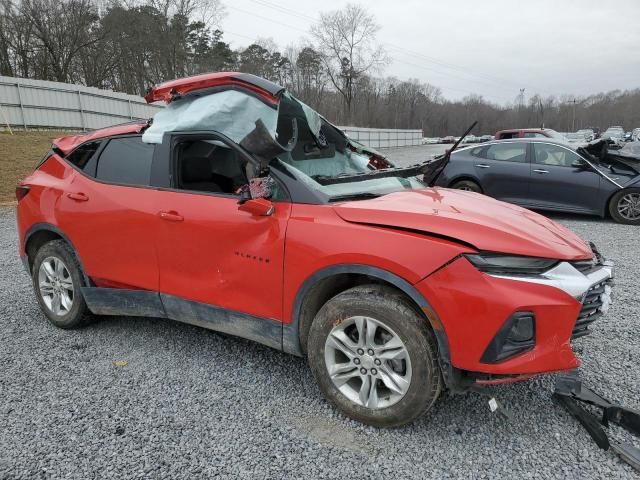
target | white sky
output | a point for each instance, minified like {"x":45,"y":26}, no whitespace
{"x":489,"y":47}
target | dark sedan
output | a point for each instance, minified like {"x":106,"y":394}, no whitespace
{"x":546,"y":174}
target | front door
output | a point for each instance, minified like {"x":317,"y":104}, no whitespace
{"x":210,"y":252}
{"x":559,"y":180}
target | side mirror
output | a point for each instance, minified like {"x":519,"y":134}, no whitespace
{"x":259,"y":207}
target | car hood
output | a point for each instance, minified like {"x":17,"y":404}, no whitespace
{"x":483,"y":222}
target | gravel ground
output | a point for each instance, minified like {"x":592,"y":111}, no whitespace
{"x":191,"y":403}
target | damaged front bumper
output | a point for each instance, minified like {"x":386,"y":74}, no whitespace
{"x":504,"y":328}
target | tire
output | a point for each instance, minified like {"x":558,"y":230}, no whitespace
{"x":467,"y":185}
{"x":624,"y":206}
{"x":393,"y":318}
{"x":57,"y":280}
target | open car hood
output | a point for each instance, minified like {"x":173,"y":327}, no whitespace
{"x":471,"y":218}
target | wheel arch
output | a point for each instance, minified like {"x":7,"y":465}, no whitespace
{"x":42,"y":233}
{"x":607,"y":206}
{"x":465,"y":176}
{"x":328,"y":282}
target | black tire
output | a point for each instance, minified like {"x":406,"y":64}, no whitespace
{"x":467,"y":185}
{"x":392,"y":309}
{"x":78,"y":315}
{"x":615,"y":204}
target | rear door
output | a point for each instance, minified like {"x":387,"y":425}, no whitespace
{"x":559,"y":182}
{"x":109,"y":212}
{"x":503,"y":170}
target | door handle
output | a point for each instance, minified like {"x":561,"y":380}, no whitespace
{"x":482,"y":165}
{"x":171,"y":216}
{"x":78,"y":197}
{"x":540,"y":171}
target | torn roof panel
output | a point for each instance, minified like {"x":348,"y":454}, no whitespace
{"x":169,"y":91}
{"x":231,"y":112}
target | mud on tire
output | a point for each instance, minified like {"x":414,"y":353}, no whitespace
{"x":389,"y":308}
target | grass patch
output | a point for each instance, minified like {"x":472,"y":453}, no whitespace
{"x":19,"y":154}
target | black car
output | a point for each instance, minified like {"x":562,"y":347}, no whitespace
{"x":545,"y":174}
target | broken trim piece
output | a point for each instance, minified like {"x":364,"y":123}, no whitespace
{"x":569,"y":390}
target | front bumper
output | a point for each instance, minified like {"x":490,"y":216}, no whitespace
{"x":473,"y":306}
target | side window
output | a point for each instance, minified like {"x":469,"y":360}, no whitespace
{"x":210,"y":166}
{"x":508,"y":135}
{"x":554,"y":155}
{"x":126,"y":160}
{"x":534,"y":135}
{"x":508,"y":152}
{"x":480,"y":152}
{"x":80,"y":156}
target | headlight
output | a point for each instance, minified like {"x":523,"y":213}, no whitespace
{"x":500,"y":264}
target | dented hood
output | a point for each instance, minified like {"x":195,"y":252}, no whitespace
{"x":478,"y":220}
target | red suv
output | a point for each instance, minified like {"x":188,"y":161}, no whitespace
{"x":241,"y":210}
{"x":529,"y":133}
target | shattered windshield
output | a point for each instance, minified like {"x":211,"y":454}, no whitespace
{"x":291,"y":133}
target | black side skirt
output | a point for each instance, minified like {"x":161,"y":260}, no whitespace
{"x":142,"y":303}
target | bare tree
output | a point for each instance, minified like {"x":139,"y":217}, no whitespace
{"x":347,"y":40}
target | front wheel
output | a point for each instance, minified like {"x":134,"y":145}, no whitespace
{"x":625,"y":206}
{"x":374,"y":357}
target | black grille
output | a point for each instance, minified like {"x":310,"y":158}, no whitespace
{"x":590,"y":310}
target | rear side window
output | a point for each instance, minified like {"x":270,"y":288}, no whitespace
{"x":534,"y":135}
{"x":508,"y":135}
{"x":127,"y":161}
{"x":80,"y":156}
{"x":507,"y":152}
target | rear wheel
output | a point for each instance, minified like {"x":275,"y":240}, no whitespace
{"x":374,"y":357}
{"x":57,"y":280}
{"x":467,"y":185}
{"x":624,"y":206}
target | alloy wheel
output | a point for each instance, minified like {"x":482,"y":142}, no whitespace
{"x":56,"y":286}
{"x":629,"y":206}
{"x":368,"y":362}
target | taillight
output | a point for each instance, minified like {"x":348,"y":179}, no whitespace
{"x":21,"y":191}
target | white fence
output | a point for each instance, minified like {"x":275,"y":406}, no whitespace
{"x":26,"y":103}
{"x":29,"y":103}
{"x":384,"y":138}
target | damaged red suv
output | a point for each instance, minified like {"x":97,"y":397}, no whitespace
{"x":240,"y":209}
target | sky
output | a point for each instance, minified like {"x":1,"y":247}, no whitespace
{"x":491,"y":47}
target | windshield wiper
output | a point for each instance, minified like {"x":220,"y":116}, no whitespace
{"x":354,"y":196}
{"x":434,"y":167}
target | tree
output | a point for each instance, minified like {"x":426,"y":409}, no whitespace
{"x":347,"y":40}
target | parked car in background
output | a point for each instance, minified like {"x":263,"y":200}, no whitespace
{"x":470,"y":139}
{"x":448,"y":139}
{"x":279,"y":229}
{"x":529,"y":133}
{"x":596,"y":131}
{"x":628,"y":137}
{"x":545,"y":174}
{"x":635,"y":134}
{"x":576,"y":138}
{"x":614,"y":134}
{"x":430,"y":141}
{"x":589,"y":134}
{"x":486,"y":138}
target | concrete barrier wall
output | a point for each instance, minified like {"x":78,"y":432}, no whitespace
{"x":384,"y":138}
{"x":26,"y":103}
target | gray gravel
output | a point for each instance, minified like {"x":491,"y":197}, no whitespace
{"x":194,"y":404}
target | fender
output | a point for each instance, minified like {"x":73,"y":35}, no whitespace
{"x":39,"y":227}
{"x":291,"y":332}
